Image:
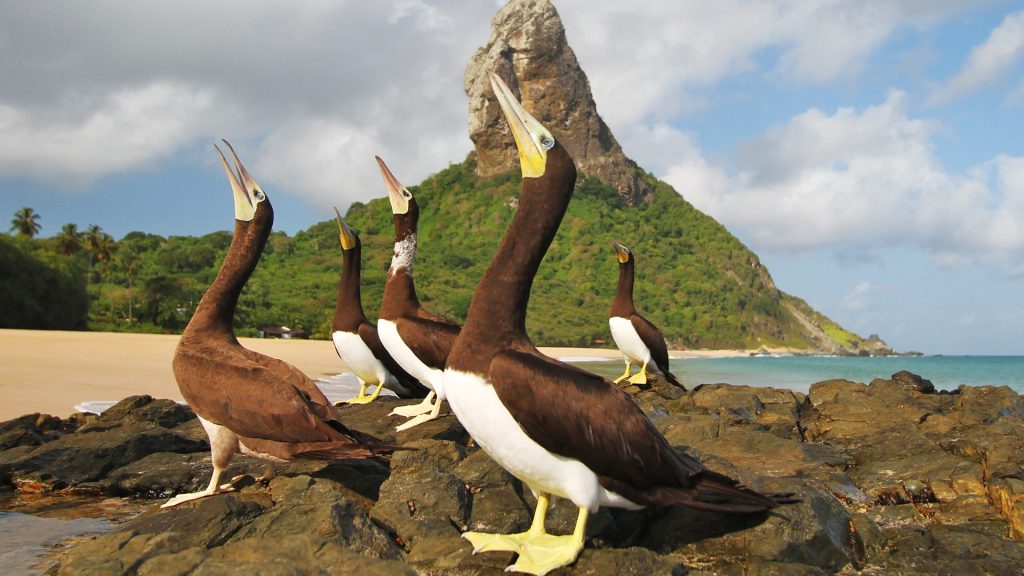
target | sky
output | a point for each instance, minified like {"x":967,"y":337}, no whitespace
{"x":869,"y":152}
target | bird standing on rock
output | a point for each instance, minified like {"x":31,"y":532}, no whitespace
{"x":639,"y":341}
{"x":248,"y":402}
{"x":418,"y":340}
{"x":355,"y":337}
{"x":559,"y":429}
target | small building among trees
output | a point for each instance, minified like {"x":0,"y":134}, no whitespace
{"x":282,"y":332}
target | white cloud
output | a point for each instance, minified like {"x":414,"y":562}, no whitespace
{"x":646,"y":60}
{"x":858,"y":299}
{"x":89,"y":137}
{"x":93,"y":99}
{"x":860,"y":182}
{"x":989,"y":61}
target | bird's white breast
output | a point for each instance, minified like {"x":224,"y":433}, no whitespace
{"x":628,"y":340}
{"x":432,"y":377}
{"x":477,"y":406}
{"x":359,"y":358}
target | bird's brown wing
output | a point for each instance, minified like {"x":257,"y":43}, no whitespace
{"x":575,"y":414}
{"x":254,"y":398}
{"x":652,"y":338}
{"x":430,"y":340}
{"x":579,"y":415}
{"x":368,"y":333}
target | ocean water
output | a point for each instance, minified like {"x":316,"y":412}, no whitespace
{"x":800,"y":372}
{"x":793,"y":372}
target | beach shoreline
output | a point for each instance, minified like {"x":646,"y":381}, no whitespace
{"x":52,"y":371}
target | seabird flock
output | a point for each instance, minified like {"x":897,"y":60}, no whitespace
{"x":561,"y":430}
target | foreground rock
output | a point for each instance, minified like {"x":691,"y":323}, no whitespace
{"x":894,"y":478}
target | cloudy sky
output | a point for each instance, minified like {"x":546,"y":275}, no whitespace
{"x":870,"y":152}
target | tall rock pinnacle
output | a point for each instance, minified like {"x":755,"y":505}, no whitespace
{"x":528,"y":49}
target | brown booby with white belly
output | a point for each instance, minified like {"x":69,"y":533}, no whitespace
{"x":559,"y":429}
{"x":638,"y":339}
{"x":355,"y":337}
{"x":418,"y":340}
{"x":248,"y":402}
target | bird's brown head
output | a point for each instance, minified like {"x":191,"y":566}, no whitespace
{"x":346,"y":236}
{"x":403,"y":205}
{"x":623,"y":254}
{"x":250,"y":199}
{"x":544,"y":162}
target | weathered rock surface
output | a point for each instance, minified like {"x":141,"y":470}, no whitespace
{"x":528,"y":49}
{"x":894,"y":479}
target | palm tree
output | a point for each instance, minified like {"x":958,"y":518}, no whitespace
{"x":69,"y":241}
{"x":130,"y":265}
{"x":93,"y":236}
{"x":26,"y":222}
{"x":102,"y":250}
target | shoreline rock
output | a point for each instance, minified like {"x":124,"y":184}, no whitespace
{"x":894,"y":477}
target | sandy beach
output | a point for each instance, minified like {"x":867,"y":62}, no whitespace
{"x":52,"y":371}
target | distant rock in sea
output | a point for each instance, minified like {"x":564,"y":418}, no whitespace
{"x":895,"y":479}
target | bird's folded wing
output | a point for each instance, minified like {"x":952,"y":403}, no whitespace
{"x":579,"y":415}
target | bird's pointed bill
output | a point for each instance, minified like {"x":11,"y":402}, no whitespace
{"x":345,"y":234}
{"x":398,"y":195}
{"x":244,"y":209}
{"x":532,"y":139}
{"x":256,"y":192}
{"x":621,"y":252}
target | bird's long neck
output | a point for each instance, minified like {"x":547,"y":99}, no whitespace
{"x":623,"y":304}
{"x":348,"y":313}
{"x":499,"y":304}
{"x":216,"y":309}
{"x":400,"y":290}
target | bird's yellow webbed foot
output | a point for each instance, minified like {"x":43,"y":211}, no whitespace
{"x":434,"y":412}
{"x":625,"y":374}
{"x":483,"y":542}
{"x":548,"y":552}
{"x":362,"y":398}
{"x":640,"y":377}
{"x":215,"y":487}
{"x":415,"y":409}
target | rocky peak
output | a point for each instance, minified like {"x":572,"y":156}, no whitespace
{"x":528,"y":49}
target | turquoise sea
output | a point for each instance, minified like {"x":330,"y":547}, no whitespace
{"x":799,"y":372}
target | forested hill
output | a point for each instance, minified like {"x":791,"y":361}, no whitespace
{"x":694,"y":279}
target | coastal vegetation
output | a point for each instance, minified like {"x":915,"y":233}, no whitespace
{"x":700,"y":284}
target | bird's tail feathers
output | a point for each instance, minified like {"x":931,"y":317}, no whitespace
{"x":348,"y":450}
{"x":671,"y":378}
{"x":718,"y":493}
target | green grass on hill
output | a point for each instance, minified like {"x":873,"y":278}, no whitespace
{"x":695,"y":280}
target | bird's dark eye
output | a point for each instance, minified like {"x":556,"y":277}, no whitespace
{"x":546,"y":143}
{"x":259,"y":195}
{"x":406,"y":194}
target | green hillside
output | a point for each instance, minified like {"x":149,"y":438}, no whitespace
{"x":694,"y":279}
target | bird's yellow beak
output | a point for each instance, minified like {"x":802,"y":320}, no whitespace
{"x":621,"y":252}
{"x":532,"y":139}
{"x":345,"y":234}
{"x":398,"y":195}
{"x":248,"y":194}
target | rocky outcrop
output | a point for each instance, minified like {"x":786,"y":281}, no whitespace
{"x":894,"y":478}
{"x":528,"y":49}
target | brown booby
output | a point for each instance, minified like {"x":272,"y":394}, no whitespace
{"x":418,"y":340}
{"x":248,"y":402}
{"x":638,"y":340}
{"x":559,"y":429}
{"x":356,"y":339}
